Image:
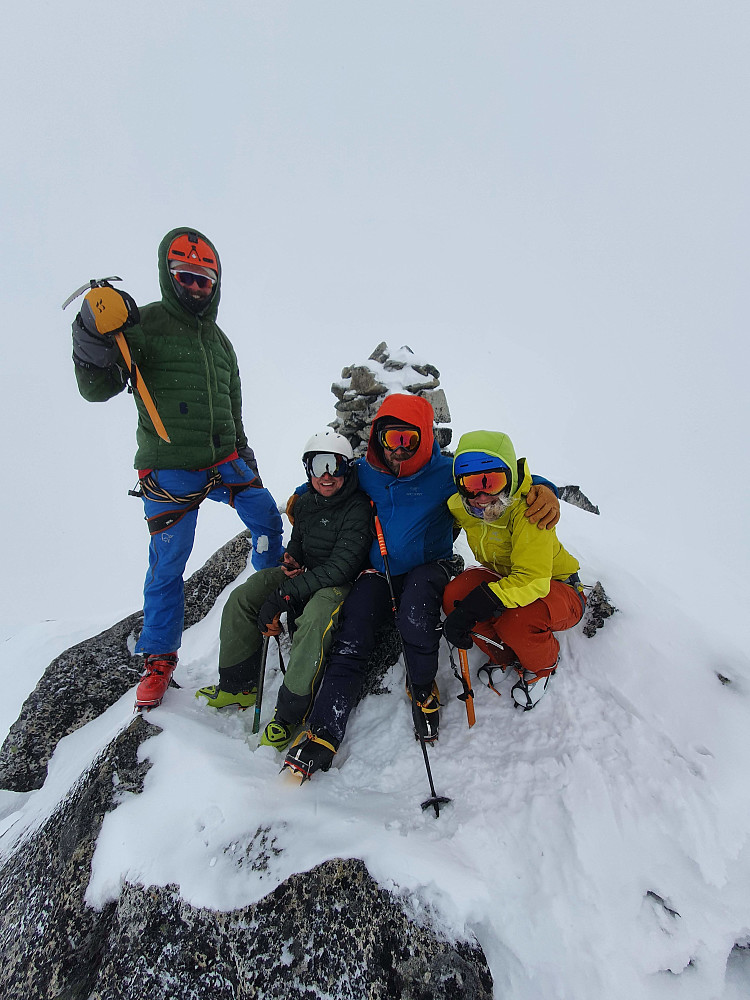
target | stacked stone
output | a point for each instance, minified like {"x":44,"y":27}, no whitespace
{"x":363,"y":388}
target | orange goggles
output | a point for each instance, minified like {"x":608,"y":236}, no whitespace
{"x":474,"y":483}
{"x":393,"y":438}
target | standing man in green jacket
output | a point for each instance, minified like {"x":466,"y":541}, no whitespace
{"x":189,"y":366}
{"x":329,"y":547}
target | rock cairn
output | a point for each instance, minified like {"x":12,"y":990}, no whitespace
{"x":363,"y":387}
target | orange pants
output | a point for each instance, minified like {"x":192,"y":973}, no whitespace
{"x":526,"y":633}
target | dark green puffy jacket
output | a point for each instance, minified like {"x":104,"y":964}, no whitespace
{"x":190,"y":368}
{"x":331,"y":538}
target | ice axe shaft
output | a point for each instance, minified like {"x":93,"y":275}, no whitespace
{"x":463,"y":658}
{"x":139,"y":386}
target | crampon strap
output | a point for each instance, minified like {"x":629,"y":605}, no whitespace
{"x":489,"y":669}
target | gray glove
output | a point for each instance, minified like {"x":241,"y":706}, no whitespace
{"x":92,"y":349}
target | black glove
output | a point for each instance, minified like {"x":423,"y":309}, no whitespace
{"x":247,"y":455}
{"x":479,"y":604}
{"x":274,"y":606}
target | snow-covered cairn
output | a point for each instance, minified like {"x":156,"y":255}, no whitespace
{"x":363,"y":387}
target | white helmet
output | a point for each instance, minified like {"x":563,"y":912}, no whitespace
{"x":329,"y":440}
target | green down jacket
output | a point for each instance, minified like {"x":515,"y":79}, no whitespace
{"x":190,"y":368}
{"x":331,"y":538}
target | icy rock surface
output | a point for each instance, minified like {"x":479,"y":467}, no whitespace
{"x":363,"y":387}
{"x":86,"y":679}
{"x":329,"y":932}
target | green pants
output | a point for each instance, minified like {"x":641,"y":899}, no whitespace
{"x":241,"y":639}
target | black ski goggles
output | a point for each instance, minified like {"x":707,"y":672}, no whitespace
{"x":188,"y":279}
{"x":319,"y":463}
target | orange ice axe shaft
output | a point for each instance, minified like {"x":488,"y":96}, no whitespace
{"x":136,"y":380}
{"x":464,"y":661}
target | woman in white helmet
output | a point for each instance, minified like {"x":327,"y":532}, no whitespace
{"x":328,"y":548}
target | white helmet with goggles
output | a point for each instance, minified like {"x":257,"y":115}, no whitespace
{"x":327,"y":452}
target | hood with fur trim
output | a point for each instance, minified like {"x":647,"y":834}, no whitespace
{"x":407,"y":409}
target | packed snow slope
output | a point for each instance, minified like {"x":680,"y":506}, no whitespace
{"x":597,"y":846}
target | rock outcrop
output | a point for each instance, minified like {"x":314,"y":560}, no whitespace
{"x":86,"y":679}
{"x":329,"y":932}
{"x":363,"y":387}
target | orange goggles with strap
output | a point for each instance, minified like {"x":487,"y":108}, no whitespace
{"x":393,"y":438}
{"x":474,"y":483}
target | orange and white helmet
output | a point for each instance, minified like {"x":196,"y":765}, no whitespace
{"x":190,"y":249}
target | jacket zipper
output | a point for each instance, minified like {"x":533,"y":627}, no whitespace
{"x":208,"y":390}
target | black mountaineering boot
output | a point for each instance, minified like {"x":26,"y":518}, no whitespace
{"x":311,"y":752}
{"x":426,"y":713}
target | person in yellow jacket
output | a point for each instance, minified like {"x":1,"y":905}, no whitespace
{"x":528,"y":588}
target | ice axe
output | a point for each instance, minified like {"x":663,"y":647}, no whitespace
{"x":136,"y":379}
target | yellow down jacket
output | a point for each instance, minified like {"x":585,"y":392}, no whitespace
{"x":525,"y":557}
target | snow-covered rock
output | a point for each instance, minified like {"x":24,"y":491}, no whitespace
{"x":363,"y":387}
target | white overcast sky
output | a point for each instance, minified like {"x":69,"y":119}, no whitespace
{"x":547,"y":200}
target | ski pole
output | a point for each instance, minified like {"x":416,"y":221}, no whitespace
{"x":261,"y":678}
{"x":435,"y":800}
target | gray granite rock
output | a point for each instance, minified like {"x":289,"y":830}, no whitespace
{"x":86,"y":679}
{"x":329,"y":932}
{"x":363,"y":388}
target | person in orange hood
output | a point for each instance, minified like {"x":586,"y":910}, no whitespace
{"x":409,"y":482}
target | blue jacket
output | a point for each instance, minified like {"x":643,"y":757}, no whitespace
{"x":413,"y":511}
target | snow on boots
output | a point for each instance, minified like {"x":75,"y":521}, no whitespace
{"x":311,"y":752}
{"x":529,"y":688}
{"x":277,"y":734}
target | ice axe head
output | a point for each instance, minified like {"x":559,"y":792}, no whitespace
{"x":91,"y":283}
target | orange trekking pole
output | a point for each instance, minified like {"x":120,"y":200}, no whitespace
{"x":435,"y":800}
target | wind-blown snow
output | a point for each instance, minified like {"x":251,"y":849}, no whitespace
{"x":596,"y":847}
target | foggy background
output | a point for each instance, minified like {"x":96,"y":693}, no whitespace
{"x":547,"y":201}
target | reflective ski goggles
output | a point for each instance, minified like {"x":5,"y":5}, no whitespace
{"x":393,"y":438}
{"x":492,"y":482}
{"x":321,"y":462}
{"x":188,"y":279}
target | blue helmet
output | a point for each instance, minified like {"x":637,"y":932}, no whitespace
{"x":477,"y":461}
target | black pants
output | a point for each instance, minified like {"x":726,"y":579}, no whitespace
{"x":419,"y":595}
